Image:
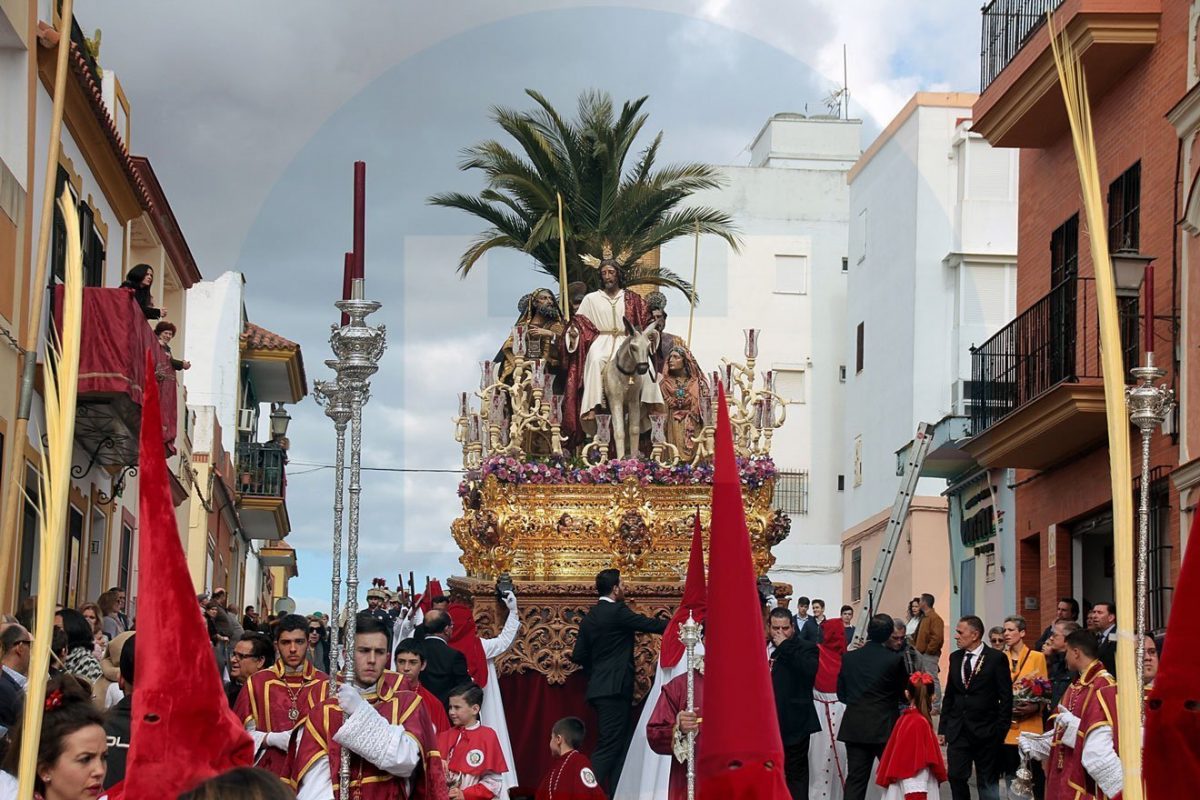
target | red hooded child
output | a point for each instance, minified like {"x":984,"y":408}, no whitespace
{"x":911,"y":765}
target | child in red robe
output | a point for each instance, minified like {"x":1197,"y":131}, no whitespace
{"x":570,"y":776}
{"x":474,"y":761}
{"x":912,"y":767}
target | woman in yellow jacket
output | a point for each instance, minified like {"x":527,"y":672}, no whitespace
{"x":1023,"y":662}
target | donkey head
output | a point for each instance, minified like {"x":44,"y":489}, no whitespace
{"x":638,"y":344}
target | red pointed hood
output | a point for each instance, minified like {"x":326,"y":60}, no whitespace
{"x":432,"y":589}
{"x":832,"y":648}
{"x":695,"y":596}
{"x":183,"y":731}
{"x":465,"y":638}
{"x":1172,"y":762}
{"x":741,"y":753}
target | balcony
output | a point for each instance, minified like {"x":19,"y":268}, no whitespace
{"x":261,"y":488}
{"x":1020,"y":102}
{"x":112,"y":364}
{"x":1038,"y":395}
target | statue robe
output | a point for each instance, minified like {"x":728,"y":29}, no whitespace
{"x":264,"y":706}
{"x":601,"y":327}
{"x":660,"y":730}
{"x":317,"y":749}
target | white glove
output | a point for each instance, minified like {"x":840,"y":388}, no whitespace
{"x":279,"y":740}
{"x":1068,"y":723}
{"x":510,"y":600}
{"x":1034,"y":745}
{"x":350,"y":700}
{"x":772,"y":603}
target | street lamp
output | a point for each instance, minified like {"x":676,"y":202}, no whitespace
{"x":279,"y":421}
{"x":1129,"y":268}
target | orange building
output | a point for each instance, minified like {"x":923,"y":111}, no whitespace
{"x":1038,"y":397}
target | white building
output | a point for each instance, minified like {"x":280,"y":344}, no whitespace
{"x":788,"y":280}
{"x":932,"y":272}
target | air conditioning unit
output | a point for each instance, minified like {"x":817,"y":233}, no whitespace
{"x":247,"y":420}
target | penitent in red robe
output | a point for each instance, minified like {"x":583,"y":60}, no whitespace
{"x":660,"y":730}
{"x":639,"y":317}
{"x":273,"y":701}
{"x":395,"y":700}
{"x":469,"y":754}
{"x":1093,"y":698}
{"x":570,"y":778}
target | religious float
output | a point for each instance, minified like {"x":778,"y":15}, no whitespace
{"x":549,"y":506}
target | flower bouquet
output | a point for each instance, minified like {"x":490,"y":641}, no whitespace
{"x":1032,"y":690}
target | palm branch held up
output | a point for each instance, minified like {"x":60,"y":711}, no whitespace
{"x":633,"y":211}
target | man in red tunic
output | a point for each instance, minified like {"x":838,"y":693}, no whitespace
{"x":410,"y":660}
{"x":383,"y":724}
{"x":600,"y":322}
{"x":570,"y":776}
{"x":1081,"y":750}
{"x":274,"y":701}
{"x":671,"y":722}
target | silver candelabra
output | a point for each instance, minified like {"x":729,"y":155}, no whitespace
{"x":689,"y":634}
{"x":1148,"y":407}
{"x":358,"y":348}
{"x":334,"y":398}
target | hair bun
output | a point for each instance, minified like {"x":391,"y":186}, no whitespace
{"x":65,"y":690}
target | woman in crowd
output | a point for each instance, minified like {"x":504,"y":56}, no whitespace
{"x":81,"y":659}
{"x":72,"y":748}
{"x":219,"y":634}
{"x":318,"y":645}
{"x":110,"y":619}
{"x":996,"y":638}
{"x":139,"y":280}
{"x":914,"y":619}
{"x":91,"y":612}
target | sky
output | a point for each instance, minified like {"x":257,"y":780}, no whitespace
{"x":253,"y":114}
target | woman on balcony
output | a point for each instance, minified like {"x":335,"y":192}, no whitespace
{"x":139,"y":280}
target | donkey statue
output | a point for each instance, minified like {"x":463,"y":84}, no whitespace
{"x":629,"y":386}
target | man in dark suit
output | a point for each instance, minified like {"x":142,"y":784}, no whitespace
{"x":793,"y":671}
{"x":1066,"y":610}
{"x":1102,"y":621}
{"x":15,"y":647}
{"x":871,"y":684}
{"x":604,"y":648}
{"x":976,"y":712}
{"x":445,"y":667}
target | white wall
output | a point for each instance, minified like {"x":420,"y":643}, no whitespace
{"x":793,"y":213}
{"x":932,"y":272}
{"x":214,"y":312}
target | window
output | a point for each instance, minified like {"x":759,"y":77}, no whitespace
{"x":74,"y":557}
{"x":856,"y":574}
{"x":861,"y":225}
{"x":789,"y":383}
{"x":858,"y":460}
{"x":1064,"y":251}
{"x":791,"y":274}
{"x":841,"y":483}
{"x":845,"y":264}
{"x":1124,"y":203}
{"x":966,"y":587}
{"x":842,"y":373}
{"x":858,"y":348}
{"x":58,"y":234}
{"x":93,"y":247}
{"x":125,"y":565}
{"x":791,"y":491}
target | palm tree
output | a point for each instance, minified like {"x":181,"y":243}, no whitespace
{"x":632,"y":211}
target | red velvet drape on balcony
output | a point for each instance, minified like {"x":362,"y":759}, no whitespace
{"x":115,"y":338}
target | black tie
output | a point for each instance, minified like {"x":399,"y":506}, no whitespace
{"x":966,"y":668}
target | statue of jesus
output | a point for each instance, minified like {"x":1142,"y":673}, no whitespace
{"x":592,"y":338}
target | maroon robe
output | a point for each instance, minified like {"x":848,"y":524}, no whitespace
{"x":269,"y":698}
{"x":639,"y":317}
{"x":1093,"y":698}
{"x":570,"y":778}
{"x":660,"y":730}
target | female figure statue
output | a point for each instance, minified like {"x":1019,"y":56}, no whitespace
{"x":684,"y":391}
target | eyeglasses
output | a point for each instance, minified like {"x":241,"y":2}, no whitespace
{"x":314,"y":630}
{"x":240,"y":656}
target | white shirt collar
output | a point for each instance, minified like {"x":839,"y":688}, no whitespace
{"x":977,"y":651}
{"x":607,"y":599}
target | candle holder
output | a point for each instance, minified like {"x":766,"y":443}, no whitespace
{"x":1148,"y":408}
{"x":689,"y":634}
{"x":334,"y":398}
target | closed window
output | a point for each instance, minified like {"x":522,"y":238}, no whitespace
{"x":856,"y":574}
{"x":859,"y":336}
{"x":789,"y":383}
{"x":125,"y":565}
{"x":858,"y":460}
{"x":791,"y":491}
{"x":1124,"y":210}
{"x":791,"y":274}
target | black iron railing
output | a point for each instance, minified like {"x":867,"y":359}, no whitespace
{"x":1053,"y":341}
{"x":260,"y":469}
{"x":1007,"y":26}
{"x":791,"y":491}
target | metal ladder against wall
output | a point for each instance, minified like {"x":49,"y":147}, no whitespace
{"x":895,"y":526}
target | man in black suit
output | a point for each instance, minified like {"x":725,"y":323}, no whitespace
{"x":445,"y":667}
{"x":793,"y":671}
{"x":976,"y":712}
{"x":1066,"y":610}
{"x":871,"y":684}
{"x":604,"y":648}
{"x":15,"y":647}
{"x":1102,"y":621}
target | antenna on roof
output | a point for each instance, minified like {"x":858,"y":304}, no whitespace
{"x":838,"y":100}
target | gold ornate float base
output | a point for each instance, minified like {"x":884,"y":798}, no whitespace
{"x":550,"y":613}
{"x":556,"y":532}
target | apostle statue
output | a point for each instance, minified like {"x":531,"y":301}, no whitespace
{"x":592,"y":338}
{"x":542,"y":320}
